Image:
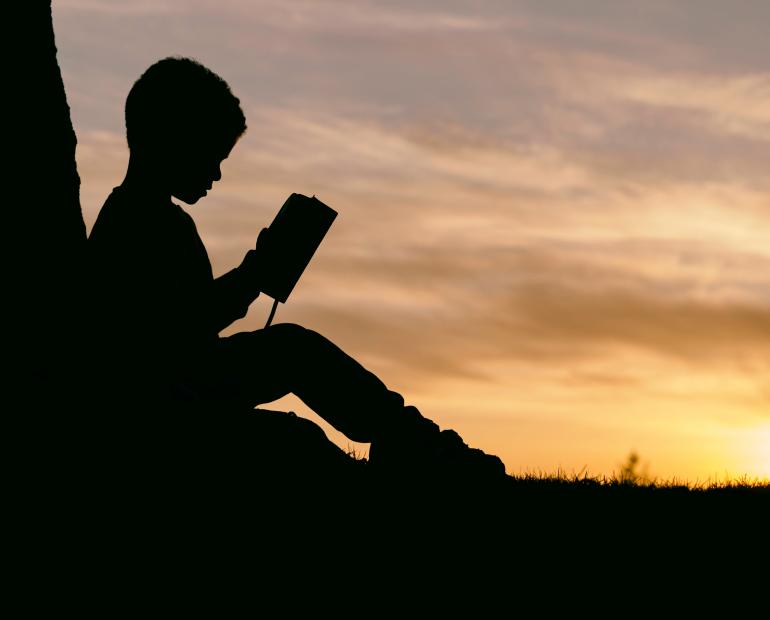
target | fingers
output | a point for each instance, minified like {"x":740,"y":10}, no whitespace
{"x":263,"y":237}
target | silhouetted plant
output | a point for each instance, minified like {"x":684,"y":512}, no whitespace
{"x":631,"y":472}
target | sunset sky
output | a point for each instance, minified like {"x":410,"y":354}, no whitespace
{"x":554,"y":216}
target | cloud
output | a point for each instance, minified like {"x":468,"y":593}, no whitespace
{"x":724,"y":103}
{"x":143,"y":8}
{"x":534,"y":306}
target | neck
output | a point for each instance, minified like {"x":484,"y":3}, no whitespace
{"x":142,"y":177}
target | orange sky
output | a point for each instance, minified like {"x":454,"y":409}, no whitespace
{"x":554,"y":231}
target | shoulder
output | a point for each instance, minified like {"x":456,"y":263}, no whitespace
{"x":127,"y":224}
{"x":113,"y":216}
{"x":125,"y":213}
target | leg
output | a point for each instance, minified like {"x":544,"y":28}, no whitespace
{"x":264,"y":365}
{"x":260,"y":366}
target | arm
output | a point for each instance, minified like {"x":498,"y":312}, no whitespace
{"x":232,"y":295}
{"x":234,"y":291}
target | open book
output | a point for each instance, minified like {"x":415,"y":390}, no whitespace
{"x":296,"y":232}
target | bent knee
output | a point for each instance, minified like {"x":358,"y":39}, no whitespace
{"x":287,"y":330}
{"x":293,"y":335}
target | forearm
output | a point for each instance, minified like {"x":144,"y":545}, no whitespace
{"x":232,"y":294}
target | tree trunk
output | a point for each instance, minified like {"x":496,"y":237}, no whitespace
{"x":44,"y":230}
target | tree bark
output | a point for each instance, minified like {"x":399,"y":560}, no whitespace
{"x":44,"y":230}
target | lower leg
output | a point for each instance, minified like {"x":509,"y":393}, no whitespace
{"x":261,"y":366}
{"x":289,"y":358}
{"x":347,"y":395}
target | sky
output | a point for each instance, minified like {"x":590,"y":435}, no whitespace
{"x":554,"y":217}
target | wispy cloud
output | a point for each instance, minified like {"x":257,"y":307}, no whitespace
{"x":120,"y":8}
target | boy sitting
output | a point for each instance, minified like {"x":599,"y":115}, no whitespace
{"x":159,"y":309}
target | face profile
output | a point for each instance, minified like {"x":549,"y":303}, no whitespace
{"x":192,"y":171}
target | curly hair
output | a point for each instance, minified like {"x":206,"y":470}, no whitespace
{"x":178,"y":99}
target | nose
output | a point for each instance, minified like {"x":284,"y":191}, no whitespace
{"x":217,"y":174}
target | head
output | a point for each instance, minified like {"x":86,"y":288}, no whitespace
{"x":182,"y":121}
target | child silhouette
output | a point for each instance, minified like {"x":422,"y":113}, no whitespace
{"x":158,"y":309}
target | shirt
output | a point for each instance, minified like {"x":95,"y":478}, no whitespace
{"x":156,"y":306}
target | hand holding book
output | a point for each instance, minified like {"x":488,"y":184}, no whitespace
{"x":258,"y":261}
{"x":284,"y":250}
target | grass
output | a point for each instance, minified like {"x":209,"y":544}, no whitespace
{"x":624,"y":480}
{"x":628,"y":476}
